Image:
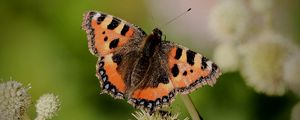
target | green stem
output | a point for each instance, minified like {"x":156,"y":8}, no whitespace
{"x":190,"y":107}
{"x":26,"y":117}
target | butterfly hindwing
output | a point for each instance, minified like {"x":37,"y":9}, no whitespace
{"x":111,"y":81}
{"x":184,"y":70}
{"x":190,"y":70}
{"x":155,"y":90}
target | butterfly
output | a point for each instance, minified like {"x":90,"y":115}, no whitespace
{"x":146,"y":70}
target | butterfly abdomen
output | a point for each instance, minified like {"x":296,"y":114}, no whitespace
{"x":149,"y":47}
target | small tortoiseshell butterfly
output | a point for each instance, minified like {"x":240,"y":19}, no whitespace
{"x":144,"y":69}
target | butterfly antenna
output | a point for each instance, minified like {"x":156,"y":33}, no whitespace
{"x":170,"y":21}
{"x":152,"y":18}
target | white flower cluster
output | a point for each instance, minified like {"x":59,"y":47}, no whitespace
{"x":263,"y":63}
{"x":47,"y":106}
{"x":265,"y":60}
{"x":291,"y":72}
{"x":158,"y":115}
{"x":296,"y":112}
{"x":14,"y":100}
{"x":229,"y":20}
{"x":227,"y":56}
{"x":268,"y":61}
{"x":261,"y":6}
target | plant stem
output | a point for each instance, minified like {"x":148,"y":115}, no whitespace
{"x":26,"y":117}
{"x":190,"y":107}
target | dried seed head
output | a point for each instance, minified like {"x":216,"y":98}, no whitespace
{"x":14,"y":100}
{"x":47,"y":106}
{"x":158,"y":115}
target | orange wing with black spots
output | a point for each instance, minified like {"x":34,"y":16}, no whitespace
{"x":182,"y":71}
{"x":111,"y":81}
{"x":106,"y":35}
{"x":156,"y":89}
{"x":151,"y":98}
{"x":189,"y":70}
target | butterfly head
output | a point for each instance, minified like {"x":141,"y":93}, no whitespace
{"x":157,"y":33}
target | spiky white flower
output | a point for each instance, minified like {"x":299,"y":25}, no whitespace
{"x":261,"y":6}
{"x":296,"y":112}
{"x":226,"y":56}
{"x":47,"y":106}
{"x":14,"y":100}
{"x":229,"y":20}
{"x":291,"y":72}
{"x":263,"y":62}
{"x":158,"y":115}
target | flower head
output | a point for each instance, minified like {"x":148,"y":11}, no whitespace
{"x":158,"y":115}
{"x":47,"y":106}
{"x":226,"y":56}
{"x":263,"y":61}
{"x":229,"y":20}
{"x":14,"y":100}
{"x":296,"y":112}
{"x":261,"y":6}
{"x":291,"y":72}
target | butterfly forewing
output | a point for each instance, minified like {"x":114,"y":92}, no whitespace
{"x":190,"y":70}
{"x":107,"y":33}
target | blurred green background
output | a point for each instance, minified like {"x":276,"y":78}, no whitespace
{"x":42,"y":43}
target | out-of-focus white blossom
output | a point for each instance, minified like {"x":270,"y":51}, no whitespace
{"x":261,"y":6}
{"x":226,"y":56}
{"x":292,"y":72}
{"x":14,"y":100}
{"x":263,"y":62}
{"x":229,"y":20}
{"x":47,"y":106}
{"x":296,"y":112}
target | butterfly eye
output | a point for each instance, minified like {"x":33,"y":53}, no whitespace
{"x":157,"y":32}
